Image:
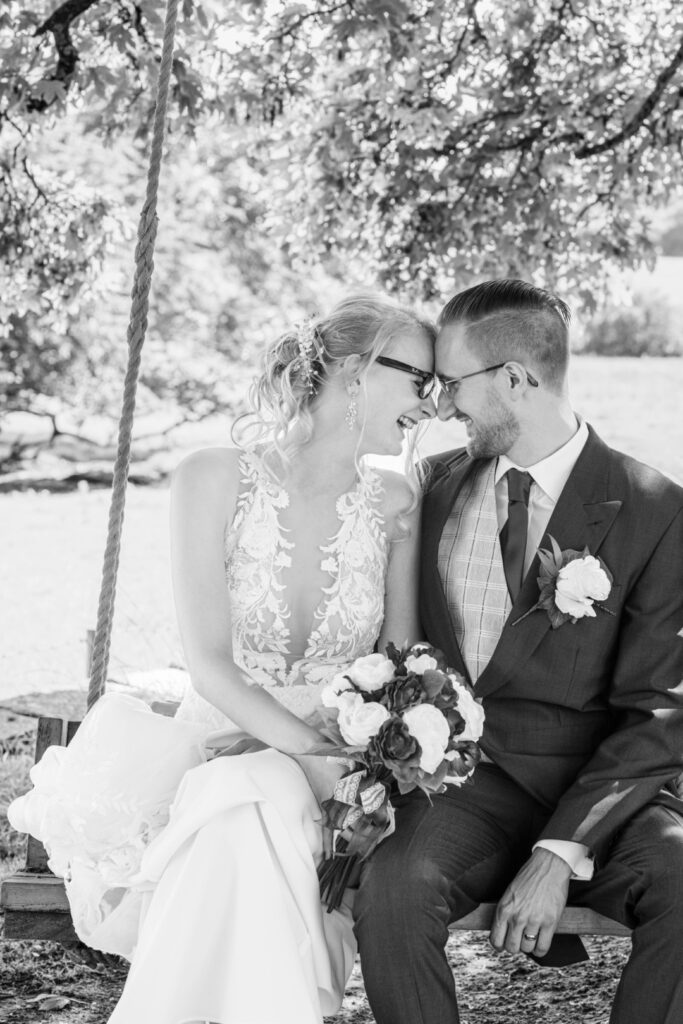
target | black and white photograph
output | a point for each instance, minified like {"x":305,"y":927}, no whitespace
{"x":341,"y":512}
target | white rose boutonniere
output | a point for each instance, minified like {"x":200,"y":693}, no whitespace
{"x":579,"y":584}
{"x":570,"y":583}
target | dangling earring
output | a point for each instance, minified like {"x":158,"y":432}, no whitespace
{"x":351,"y":415}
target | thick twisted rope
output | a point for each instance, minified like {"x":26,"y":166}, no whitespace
{"x":137,"y":327}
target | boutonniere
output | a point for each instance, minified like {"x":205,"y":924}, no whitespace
{"x":570,"y":583}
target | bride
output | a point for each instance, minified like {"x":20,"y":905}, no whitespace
{"x":291,"y":557}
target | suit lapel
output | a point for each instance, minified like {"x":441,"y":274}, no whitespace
{"x":581,"y":518}
{"x":448,"y":477}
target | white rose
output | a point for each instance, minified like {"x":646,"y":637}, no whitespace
{"x":420,"y":664}
{"x":359,"y":721}
{"x":371,"y":672}
{"x":473,"y":713}
{"x":331,"y":695}
{"x":430,"y":729}
{"x":580,"y":583}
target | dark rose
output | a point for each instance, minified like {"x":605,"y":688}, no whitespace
{"x":396,"y":749}
{"x":467,"y":758}
{"x":456,"y":723}
{"x":406,"y":693}
{"x":448,"y":696}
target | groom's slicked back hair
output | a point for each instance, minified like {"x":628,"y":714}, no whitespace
{"x":510,"y":319}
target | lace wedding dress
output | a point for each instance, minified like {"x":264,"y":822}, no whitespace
{"x":203,"y":871}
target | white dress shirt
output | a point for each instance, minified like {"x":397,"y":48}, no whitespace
{"x":549,"y":477}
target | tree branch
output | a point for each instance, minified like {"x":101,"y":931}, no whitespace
{"x":59,"y":24}
{"x":318,"y":12}
{"x":40,"y":194}
{"x":636,"y":122}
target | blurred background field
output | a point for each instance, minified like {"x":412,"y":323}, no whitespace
{"x":53,"y":543}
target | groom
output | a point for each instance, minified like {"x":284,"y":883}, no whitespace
{"x":576,"y":795}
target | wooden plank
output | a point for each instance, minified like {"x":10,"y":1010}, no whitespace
{"x":33,"y":893}
{"x":42,"y":892}
{"x":36,"y":855}
{"x":50,"y":733}
{"x":574,"y":921}
{"x":28,"y":925}
{"x":71,"y":729}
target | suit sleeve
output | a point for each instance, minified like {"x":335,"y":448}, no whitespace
{"x":644,"y":752}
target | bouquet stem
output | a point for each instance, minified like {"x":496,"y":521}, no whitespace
{"x":335,"y":873}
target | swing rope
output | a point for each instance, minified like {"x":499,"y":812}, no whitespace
{"x":137,"y":327}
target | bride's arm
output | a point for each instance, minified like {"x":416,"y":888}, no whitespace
{"x":401,"y":616}
{"x":203,"y":499}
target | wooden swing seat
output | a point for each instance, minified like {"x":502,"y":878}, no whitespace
{"x":35,"y":904}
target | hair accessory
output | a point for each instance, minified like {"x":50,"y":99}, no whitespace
{"x":308,"y":360}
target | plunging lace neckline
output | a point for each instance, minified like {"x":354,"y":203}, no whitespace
{"x":347,"y":618}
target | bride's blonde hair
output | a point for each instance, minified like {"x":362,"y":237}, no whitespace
{"x":299,"y":363}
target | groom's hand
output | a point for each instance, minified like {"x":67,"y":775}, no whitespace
{"x":529,"y":911}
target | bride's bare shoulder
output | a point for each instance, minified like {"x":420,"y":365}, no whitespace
{"x":209,"y":470}
{"x":400,"y":501}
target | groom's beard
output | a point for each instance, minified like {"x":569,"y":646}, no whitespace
{"x":488,"y":440}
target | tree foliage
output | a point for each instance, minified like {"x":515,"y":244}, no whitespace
{"x":422,"y":144}
{"x":445,"y":142}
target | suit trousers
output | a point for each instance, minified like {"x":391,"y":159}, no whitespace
{"x":464,"y":849}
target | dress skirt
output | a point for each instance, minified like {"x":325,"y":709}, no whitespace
{"x":201,"y":872}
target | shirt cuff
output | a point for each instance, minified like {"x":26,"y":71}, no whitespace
{"x":575,"y":854}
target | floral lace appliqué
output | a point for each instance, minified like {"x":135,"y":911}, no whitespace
{"x":256,"y":548}
{"x":349,"y":617}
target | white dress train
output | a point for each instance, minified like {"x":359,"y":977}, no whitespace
{"x":203,"y":871}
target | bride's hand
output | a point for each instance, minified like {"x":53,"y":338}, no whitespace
{"x":322,"y":776}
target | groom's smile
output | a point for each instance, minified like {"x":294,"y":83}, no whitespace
{"x":468,"y":393}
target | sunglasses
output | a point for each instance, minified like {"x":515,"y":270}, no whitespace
{"x":427,"y":380}
{"x":450,"y":386}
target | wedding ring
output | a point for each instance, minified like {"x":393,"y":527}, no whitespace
{"x":531,"y":938}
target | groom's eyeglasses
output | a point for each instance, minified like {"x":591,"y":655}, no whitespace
{"x":427,"y":380}
{"x":451,"y":385}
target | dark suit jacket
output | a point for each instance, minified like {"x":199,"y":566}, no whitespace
{"x":588,"y":717}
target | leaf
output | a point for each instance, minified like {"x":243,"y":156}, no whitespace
{"x":434,"y":781}
{"x":54,"y":1002}
{"x":557,"y":618}
{"x":49,"y":90}
{"x":548,"y":563}
{"x":433,"y":682}
{"x":394,"y":654}
{"x":557,"y":552}
{"x":327,"y":716}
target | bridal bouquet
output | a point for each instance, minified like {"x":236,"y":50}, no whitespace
{"x":403,"y":720}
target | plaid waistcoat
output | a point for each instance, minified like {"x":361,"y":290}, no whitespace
{"x":471,"y":569}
